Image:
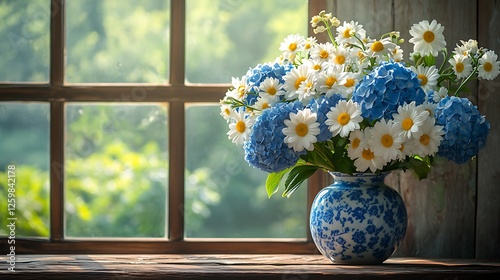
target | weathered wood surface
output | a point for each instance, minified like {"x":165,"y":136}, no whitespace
{"x":455,"y":212}
{"x":238,"y":267}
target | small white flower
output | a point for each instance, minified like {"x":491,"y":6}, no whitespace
{"x":427,"y":38}
{"x":347,"y":33}
{"x":385,"y":140}
{"x":316,"y":64}
{"x":306,"y":89}
{"x":467,"y":48}
{"x":292,"y":44}
{"x":310,"y":43}
{"x":272,"y":89}
{"x":240,"y":88}
{"x":330,"y":80}
{"x":226,"y":111}
{"x":294,"y":78}
{"x":409,"y":119}
{"x":341,"y":56}
{"x":263,"y":102}
{"x":428,"y":76}
{"x":344,"y":118}
{"x":428,"y":143}
{"x":397,"y":54}
{"x":322,"y":51}
{"x":351,"y":80}
{"x":301,"y":130}
{"x":240,"y":127}
{"x":440,"y":94}
{"x":430,"y":107}
{"x":462,"y":65}
{"x":356,"y":144}
{"x":367,"y":158}
{"x":380,"y":48}
{"x":489,"y":67}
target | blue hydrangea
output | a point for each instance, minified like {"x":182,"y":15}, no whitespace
{"x":465,"y":129}
{"x":321,"y":107}
{"x":265,"y":149}
{"x":388,"y":86}
{"x":255,"y":76}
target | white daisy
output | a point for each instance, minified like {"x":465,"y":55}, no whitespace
{"x":301,"y":130}
{"x":291,"y":45}
{"x":272,"y":89}
{"x":428,"y":143}
{"x":489,"y":67}
{"x":409,"y":119}
{"x":467,"y":48}
{"x":462,"y":65}
{"x":440,"y":94}
{"x":330,"y":80}
{"x":341,"y":56}
{"x":294,"y":78}
{"x":322,"y":51}
{"x":356,"y":144}
{"x":430,"y":107}
{"x":344,"y":118}
{"x":351,"y":80}
{"x":385,"y":140}
{"x":428,"y":76}
{"x":240,"y":127}
{"x":368,"y":160}
{"x":347,"y":33}
{"x":263,"y":102}
{"x":316,"y":64}
{"x":310,"y":43}
{"x":380,"y":48}
{"x":397,"y":54}
{"x":427,"y":38}
{"x":240,"y":86}
{"x":306,"y":89}
{"x":226,"y":111}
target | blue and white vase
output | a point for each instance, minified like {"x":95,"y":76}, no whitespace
{"x":358,"y":219}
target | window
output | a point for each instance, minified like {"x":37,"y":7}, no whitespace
{"x":109,"y":112}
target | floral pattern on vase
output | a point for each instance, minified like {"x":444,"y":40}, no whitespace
{"x":358,"y":219}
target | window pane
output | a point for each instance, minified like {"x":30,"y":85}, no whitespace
{"x":24,"y":47}
{"x":116,"y":170}
{"x":226,"y":37}
{"x":117,"y":41}
{"x":225,"y":197}
{"x":24,"y":138}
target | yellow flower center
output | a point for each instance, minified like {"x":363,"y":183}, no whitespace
{"x":459,"y":67}
{"x":402,"y":148}
{"x":347,"y":33}
{"x":323,"y":54}
{"x":301,"y":129}
{"x":387,"y":141}
{"x":317,"y":67}
{"x":339,"y":59}
{"x":271,"y":91}
{"x":429,"y":36}
{"x":425,"y":139}
{"x":377,"y":46}
{"x":407,"y":124}
{"x":423,"y":79}
{"x":488,"y":67}
{"x":343,"y":119}
{"x":292,"y":47}
{"x":265,"y":106}
{"x":299,"y":81}
{"x":307,"y":46}
{"x":227,"y":111}
{"x":240,"y":126}
{"x":349,"y":82}
{"x":330,"y":81}
{"x":241,"y":91}
{"x":355,"y":143}
{"x":367,"y":154}
{"x":361,"y":55}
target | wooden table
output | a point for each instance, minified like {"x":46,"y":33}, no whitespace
{"x":297,"y":267}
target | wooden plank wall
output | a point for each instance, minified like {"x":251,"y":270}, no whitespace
{"x":455,"y":213}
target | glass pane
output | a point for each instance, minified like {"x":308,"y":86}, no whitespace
{"x":225,"y":197}
{"x":116,"y":170}
{"x":24,"y":151}
{"x":226,"y":37}
{"x":24,"y":47}
{"x":117,"y":41}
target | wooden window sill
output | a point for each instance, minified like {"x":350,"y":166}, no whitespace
{"x":299,"y":267}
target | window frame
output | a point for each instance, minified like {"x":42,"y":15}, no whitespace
{"x":176,"y":93}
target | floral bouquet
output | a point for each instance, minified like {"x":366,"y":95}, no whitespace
{"x":352,"y":105}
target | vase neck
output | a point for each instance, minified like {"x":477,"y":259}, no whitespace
{"x":357,"y":177}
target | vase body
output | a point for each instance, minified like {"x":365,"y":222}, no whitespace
{"x":358,"y":219}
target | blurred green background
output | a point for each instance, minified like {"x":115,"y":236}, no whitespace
{"x":116,"y":168}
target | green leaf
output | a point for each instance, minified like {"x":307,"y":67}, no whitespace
{"x":297,"y":175}
{"x":420,"y":167}
{"x":273,"y":180}
{"x":429,"y":60}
